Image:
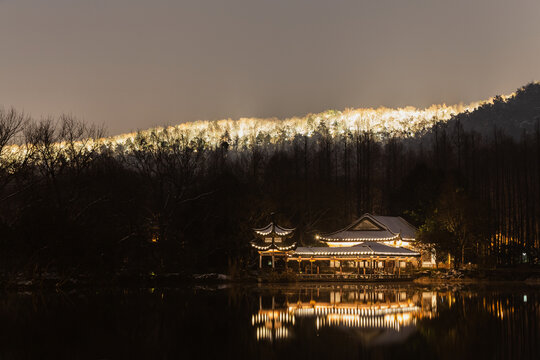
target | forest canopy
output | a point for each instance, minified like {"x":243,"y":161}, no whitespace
{"x":185,"y":198}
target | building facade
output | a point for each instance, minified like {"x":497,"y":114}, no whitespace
{"x":392,"y":231}
{"x":371,"y":244}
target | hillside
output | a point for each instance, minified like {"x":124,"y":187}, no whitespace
{"x":514,"y":115}
{"x":382,"y":122}
{"x":185,"y":198}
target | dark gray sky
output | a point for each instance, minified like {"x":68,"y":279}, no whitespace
{"x":133,"y":64}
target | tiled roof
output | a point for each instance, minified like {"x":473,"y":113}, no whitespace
{"x":384,"y":228}
{"x":397,"y":224}
{"x":261,"y":245}
{"x":363,"y":235}
{"x":371,"y":248}
{"x":278,"y":230}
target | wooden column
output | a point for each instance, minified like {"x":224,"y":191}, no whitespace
{"x":260,"y":261}
{"x":273,"y":262}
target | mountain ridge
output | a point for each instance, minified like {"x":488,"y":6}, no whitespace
{"x":383,"y":122}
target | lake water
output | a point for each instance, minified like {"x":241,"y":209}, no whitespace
{"x":318,"y":321}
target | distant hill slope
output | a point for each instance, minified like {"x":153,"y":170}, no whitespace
{"x":513,"y":115}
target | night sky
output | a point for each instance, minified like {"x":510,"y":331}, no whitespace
{"x":132,"y":64}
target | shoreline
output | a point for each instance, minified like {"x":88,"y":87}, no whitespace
{"x":189,"y":283}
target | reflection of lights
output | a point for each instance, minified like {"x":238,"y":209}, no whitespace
{"x":272,"y":324}
{"x":320,"y":309}
{"x":501,"y":309}
{"x":366,"y":310}
{"x":263,"y":333}
{"x":264,"y":316}
{"x":386,"y":315}
{"x":395,"y":321}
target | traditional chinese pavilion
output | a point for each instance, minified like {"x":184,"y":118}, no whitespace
{"x":371,"y":242}
{"x":273,"y":241}
{"x":389,"y":230}
{"x":370,"y":245}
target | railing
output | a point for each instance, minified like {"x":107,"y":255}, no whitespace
{"x":333,"y":277}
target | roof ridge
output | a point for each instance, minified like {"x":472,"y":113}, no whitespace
{"x":274,"y":225}
{"x":346,"y":228}
{"x":380,"y":223}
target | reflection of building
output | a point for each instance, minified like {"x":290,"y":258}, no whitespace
{"x":388,"y":311}
{"x":367,"y":310}
{"x":272,"y":324}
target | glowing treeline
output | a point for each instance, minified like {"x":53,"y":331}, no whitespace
{"x":245,"y":132}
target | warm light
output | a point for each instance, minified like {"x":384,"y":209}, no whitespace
{"x":245,"y":132}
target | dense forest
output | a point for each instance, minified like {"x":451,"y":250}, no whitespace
{"x":165,"y":202}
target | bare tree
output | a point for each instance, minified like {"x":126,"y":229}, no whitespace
{"x":12,"y":124}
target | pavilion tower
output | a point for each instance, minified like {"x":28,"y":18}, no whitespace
{"x":273,"y":241}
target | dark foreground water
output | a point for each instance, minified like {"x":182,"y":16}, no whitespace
{"x":318,"y":321}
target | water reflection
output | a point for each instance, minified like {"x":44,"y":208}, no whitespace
{"x":382,"y":313}
{"x":406,"y":321}
{"x":318,"y":321}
